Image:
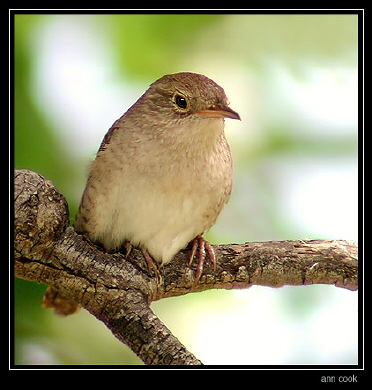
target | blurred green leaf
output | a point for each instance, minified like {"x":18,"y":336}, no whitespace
{"x":154,"y":45}
{"x":35,"y":144}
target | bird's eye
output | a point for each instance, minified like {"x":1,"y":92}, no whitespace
{"x":180,"y":101}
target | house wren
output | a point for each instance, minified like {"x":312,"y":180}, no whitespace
{"x":162,"y":173}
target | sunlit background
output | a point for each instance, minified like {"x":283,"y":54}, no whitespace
{"x":293,"y":80}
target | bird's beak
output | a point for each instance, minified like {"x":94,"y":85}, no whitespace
{"x":219,"y":111}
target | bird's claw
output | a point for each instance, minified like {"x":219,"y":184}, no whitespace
{"x":151,"y":264}
{"x":204,"y":246}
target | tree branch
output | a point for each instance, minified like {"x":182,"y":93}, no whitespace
{"x":118,"y":290}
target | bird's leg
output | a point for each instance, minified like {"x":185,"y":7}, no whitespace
{"x":150,"y":263}
{"x":203,"y":246}
{"x":128,"y":248}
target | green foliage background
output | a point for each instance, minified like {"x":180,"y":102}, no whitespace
{"x":145,"y":47}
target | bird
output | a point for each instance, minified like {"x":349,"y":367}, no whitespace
{"x":162,"y":173}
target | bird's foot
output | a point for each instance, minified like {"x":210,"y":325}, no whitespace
{"x":204,"y":246}
{"x":151,"y":264}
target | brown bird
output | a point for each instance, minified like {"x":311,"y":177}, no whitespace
{"x":162,"y":173}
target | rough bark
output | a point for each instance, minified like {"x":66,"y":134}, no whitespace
{"x":118,"y":290}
